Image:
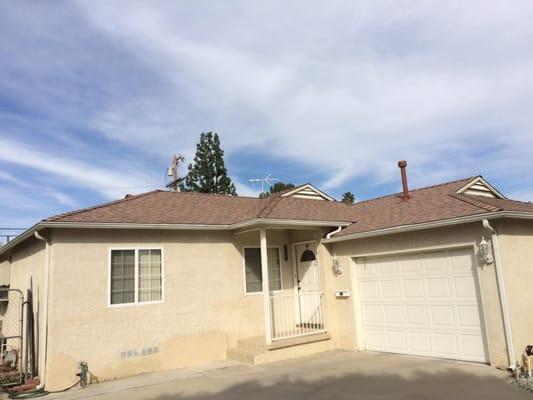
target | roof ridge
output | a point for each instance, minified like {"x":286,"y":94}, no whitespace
{"x":109,"y":203}
{"x":476,"y":202}
{"x":209,"y":194}
{"x":416,"y":189}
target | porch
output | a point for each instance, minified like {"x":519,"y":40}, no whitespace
{"x":284,"y":270}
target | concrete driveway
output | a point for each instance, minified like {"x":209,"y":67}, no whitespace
{"x":331,"y":375}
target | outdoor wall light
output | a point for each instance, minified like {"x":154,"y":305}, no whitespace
{"x":484,"y":250}
{"x":336,"y":266}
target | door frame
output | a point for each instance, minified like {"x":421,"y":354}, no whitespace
{"x":297,"y":305}
{"x":359,"y":328}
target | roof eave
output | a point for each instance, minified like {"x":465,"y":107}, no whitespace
{"x":214,"y":227}
{"x":431,"y":224}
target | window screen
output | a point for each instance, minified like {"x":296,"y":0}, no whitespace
{"x":150,"y":275}
{"x":252,"y":262}
{"x":122,"y":276}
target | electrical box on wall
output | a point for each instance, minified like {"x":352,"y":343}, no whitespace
{"x":342,"y":294}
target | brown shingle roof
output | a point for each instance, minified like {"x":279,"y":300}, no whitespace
{"x":428,"y":204}
{"x":424,"y":205}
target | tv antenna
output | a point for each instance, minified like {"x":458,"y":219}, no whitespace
{"x":266,"y":180}
{"x":173,"y":172}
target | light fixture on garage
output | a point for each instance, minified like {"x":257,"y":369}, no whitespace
{"x":336,"y":266}
{"x":484,"y":250}
{"x":307,"y":255}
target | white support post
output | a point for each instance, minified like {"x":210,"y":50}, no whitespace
{"x":266,"y":289}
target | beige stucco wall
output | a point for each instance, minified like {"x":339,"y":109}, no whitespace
{"x":516,"y":246}
{"x":414,"y":241}
{"x":205,"y":309}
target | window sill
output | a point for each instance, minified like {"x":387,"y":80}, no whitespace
{"x":143,"y":303}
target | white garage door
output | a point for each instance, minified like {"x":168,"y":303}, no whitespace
{"x":423,"y":304}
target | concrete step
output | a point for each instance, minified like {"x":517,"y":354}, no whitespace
{"x":255,"y":351}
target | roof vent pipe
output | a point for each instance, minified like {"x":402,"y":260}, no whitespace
{"x":403,"y":164}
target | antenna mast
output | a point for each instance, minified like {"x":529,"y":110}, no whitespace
{"x":265,"y":180}
{"x":173,"y":172}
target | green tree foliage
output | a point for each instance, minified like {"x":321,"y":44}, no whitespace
{"x":207,"y":173}
{"x":348,"y":198}
{"x":275,"y":188}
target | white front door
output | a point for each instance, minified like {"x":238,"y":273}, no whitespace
{"x":309,"y":287}
{"x":423,"y":304}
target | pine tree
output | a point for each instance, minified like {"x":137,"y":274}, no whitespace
{"x":348,"y":198}
{"x":208,"y":173}
{"x":275,"y":188}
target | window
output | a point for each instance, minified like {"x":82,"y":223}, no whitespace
{"x":252,"y":263}
{"x":136,"y":276}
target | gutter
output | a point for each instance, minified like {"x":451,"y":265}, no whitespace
{"x":334,"y":232}
{"x":110,"y":225}
{"x":44,"y":344}
{"x":503,"y":294}
{"x":432,"y":224}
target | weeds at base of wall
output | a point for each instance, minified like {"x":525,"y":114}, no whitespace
{"x":522,"y":382}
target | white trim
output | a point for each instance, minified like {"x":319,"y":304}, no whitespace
{"x":480,"y":179}
{"x":359,"y":329}
{"x":281,"y":268}
{"x":136,"y":272}
{"x":432,"y":224}
{"x":308,"y":186}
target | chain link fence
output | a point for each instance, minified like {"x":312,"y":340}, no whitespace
{"x":11,"y":336}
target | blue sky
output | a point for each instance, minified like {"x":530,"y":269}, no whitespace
{"x":95,"y":96}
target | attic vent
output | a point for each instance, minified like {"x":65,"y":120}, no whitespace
{"x":480,"y":187}
{"x":308,"y":192}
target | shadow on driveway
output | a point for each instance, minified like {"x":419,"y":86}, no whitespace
{"x":333,"y":376}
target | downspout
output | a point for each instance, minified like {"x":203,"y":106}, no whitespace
{"x":503,"y":294}
{"x":43,"y":345}
{"x":334,"y":232}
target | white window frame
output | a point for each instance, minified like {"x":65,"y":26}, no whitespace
{"x":136,"y":270}
{"x":281,"y":268}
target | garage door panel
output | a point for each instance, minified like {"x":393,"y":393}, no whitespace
{"x":422,"y":304}
{"x":420,"y":343}
{"x":413,"y":287}
{"x":417,"y":315}
{"x":436,"y":264}
{"x":391,"y":288}
{"x":468,"y":316}
{"x":393,"y":314}
{"x":439,"y":287}
{"x":375,"y":339}
{"x":465,"y":286}
{"x":397,"y":340}
{"x":411,"y":264}
{"x":373,"y":313}
{"x":442,"y":316}
{"x":446,"y":344}
{"x":369,"y":289}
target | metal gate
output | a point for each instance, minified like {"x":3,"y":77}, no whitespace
{"x":11,"y":337}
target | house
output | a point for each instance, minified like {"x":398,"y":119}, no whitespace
{"x":163,"y":279}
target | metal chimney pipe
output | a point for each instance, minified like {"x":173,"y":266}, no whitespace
{"x":402,"y":165}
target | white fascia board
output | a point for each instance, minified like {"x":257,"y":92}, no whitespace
{"x":432,"y":224}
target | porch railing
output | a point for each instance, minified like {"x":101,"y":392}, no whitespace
{"x":297,"y":315}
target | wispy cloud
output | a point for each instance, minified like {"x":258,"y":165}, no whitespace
{"x":102,"y":93}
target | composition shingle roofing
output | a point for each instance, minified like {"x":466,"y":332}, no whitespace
{"x":428,"y":204}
